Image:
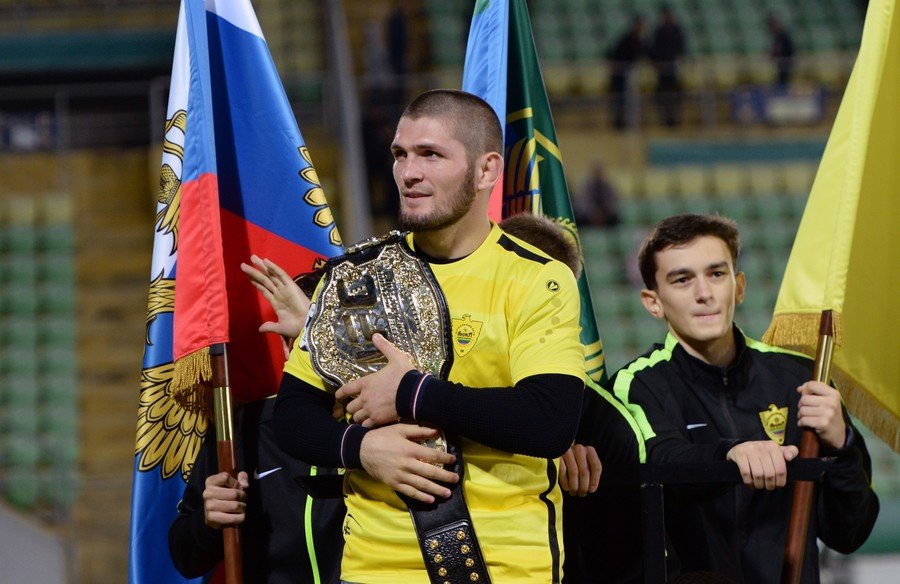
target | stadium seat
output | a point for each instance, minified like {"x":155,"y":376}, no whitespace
{"x":798,"y":177}
{"x":693,"y":181}
{"x":22,"y":487}
{"x":765,"y":179}
{"x":659,"y":182}
{"x":729,"y":179}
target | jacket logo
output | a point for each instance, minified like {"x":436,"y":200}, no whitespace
{"x":465,"y":333}
{"x":774,"y":422}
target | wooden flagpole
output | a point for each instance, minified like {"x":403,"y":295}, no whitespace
{"x":218,"y":355}
{"x":798,"y":523}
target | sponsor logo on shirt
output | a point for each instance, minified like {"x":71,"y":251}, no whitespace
{"x":258,"y":475}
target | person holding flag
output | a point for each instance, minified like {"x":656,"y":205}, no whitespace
{"x":513,"y":394}
{"x":710,"y":393}
{"x":236,"y":179}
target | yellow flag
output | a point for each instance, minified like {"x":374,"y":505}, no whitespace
{"x":845,"y":256}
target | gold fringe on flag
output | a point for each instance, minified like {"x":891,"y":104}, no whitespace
{"x":799,"y":331}
{"x":875,"y":415}
{"x":189,"y":388}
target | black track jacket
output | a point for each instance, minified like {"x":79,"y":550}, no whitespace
{"x":275,"y":548}
{"x":691,"y":411}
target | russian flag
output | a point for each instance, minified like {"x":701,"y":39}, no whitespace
{"x":236,"y":179}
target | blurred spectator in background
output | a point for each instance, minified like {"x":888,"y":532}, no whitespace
{"x":398,"y":46}
{"x":782,"y":50}
{"x":667,"y":48}
{"x":598,"y":202}
{"x":627,"y":50}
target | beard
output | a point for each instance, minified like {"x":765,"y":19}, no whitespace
{"x":447,"y":214}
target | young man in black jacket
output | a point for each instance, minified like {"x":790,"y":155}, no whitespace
{"x":711,"y":393}
{"x":287,"y":537}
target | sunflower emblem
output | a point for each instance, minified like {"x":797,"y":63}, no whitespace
{"x":315,"y":197}
{"x":169,"y":196}
{"x":168,"y":436}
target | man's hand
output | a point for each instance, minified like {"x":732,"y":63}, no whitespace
{"x":762,"y":463}
{"x":579,"y":470}
{"x":223,"y":500}
{"x":287,"y":299}
{"x":374,"y":397}
{"x":393,"y":455}
{"x":820,"y":410}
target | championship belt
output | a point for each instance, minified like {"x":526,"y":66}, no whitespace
{"x":379,"y":286}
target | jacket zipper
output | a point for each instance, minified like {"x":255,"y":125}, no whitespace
{"x":738,"y":491}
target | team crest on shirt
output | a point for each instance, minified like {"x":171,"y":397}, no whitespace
{"x":774,"y":422}
{"x":465,"y":333}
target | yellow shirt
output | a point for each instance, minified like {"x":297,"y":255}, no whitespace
{"x":514,"y":314}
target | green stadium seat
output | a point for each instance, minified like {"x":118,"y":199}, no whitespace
{"x":58,"y":390}
{"x":56,"y":299}
{"x":22,"y":487}
{"x":60,"y":488}
{"x":21,"y":238}
{"x":662,"y":208}
{"x":21,"y":360}
{"x":59,"y":449}
{"x":19,"y":298}
{"x":58,"y":360}
{"x":22,"y":448}
{"x":632,"y":212}
{"x":57,"y":267}
{"x":597,"y":242}
{"x":57,"y":237}
{"x":740,"y":208}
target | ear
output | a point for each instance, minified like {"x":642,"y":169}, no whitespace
{"x":489,"y":169}
{"x":650,"y":300}
{"x":740,"y":281}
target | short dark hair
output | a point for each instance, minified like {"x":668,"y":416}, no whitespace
{"x":682,"y":229}
{"x":471,"y":119}
{"x":546,"y":235}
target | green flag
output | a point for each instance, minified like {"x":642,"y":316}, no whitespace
{"x":535,"y":180}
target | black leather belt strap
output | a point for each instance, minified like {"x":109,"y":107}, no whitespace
{"x":446,"y":534}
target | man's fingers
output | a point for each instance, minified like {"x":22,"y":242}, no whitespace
{"x":596,"y":468}
{"x":780,"y":468}
{"x":348,"y":391}
{"x":563,"y":477}
{"x":584,"y":471}
{"x":389,"y":350}
{"x":276,"y":271}
{"x":416,"y":432}
{"x":789,"y":452}
{"x":769,"y":478}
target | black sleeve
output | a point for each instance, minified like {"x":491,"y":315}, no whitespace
{"x":305,"y":429}
{"x":847,"y":507}
{"x":194,"y":547}
{"x":607,"y":429}
{"x":537,"y":417}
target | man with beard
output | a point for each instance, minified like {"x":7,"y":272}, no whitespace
{"x":513,"y":394}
